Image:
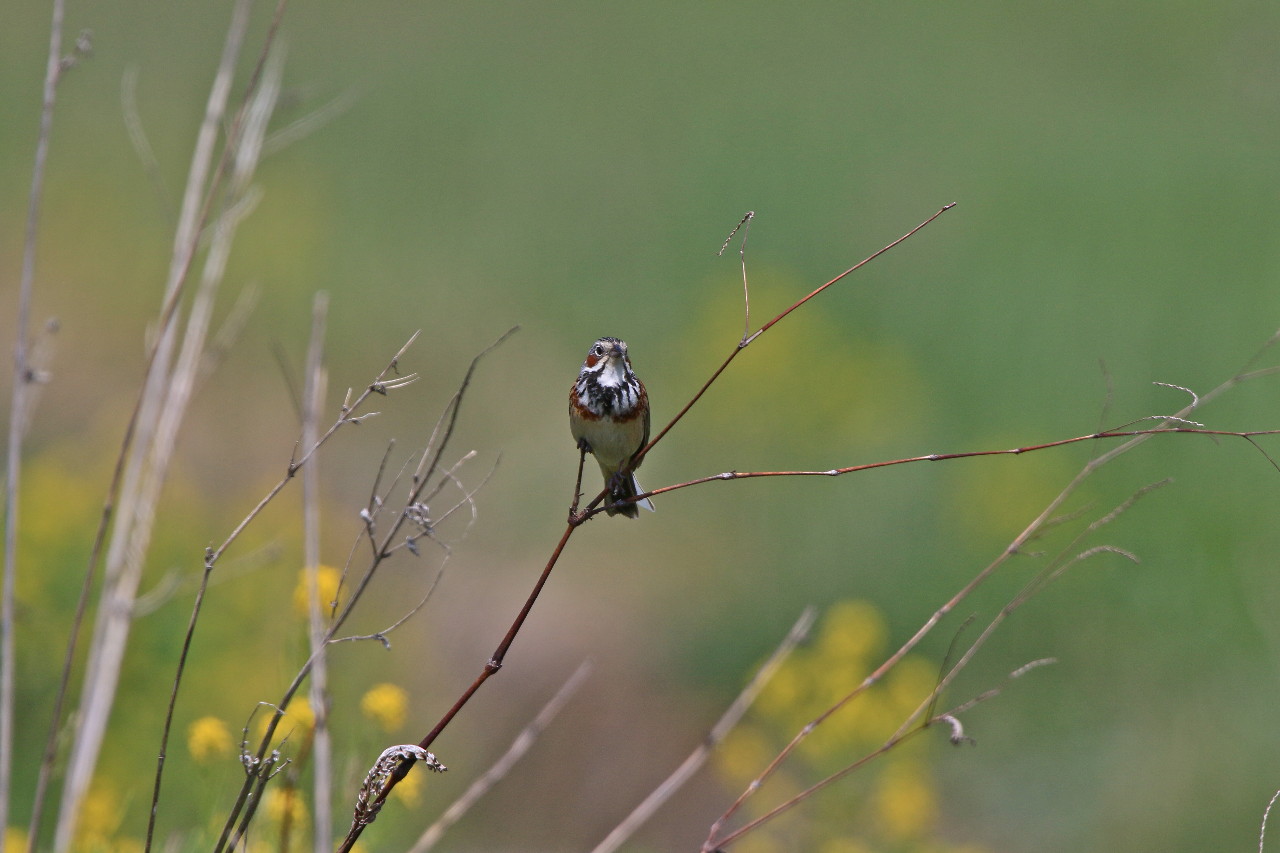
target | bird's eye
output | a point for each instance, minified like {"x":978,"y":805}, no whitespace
{"x":597,"y":350}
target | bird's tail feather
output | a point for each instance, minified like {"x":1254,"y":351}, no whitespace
{"x":627,"y":487}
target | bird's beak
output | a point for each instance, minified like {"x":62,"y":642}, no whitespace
{"x":615,"y":351}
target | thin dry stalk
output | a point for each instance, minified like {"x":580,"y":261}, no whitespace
{"x":950,"y":719}
{"x":321,"y":744}
{"x":124,"y":467}
{"x":500,"y":768}
{"x":23,"y":375}
{"x":163,"y":410}
{"x":732,"y":715}
{"x":919,"y":719}
{"x":192,"y":218}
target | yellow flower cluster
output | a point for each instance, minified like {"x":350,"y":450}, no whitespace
{"x":100,"y":819}
{"x":208,"y":738}
{"x":895,"y":803}
{"x":387,"y":705}
{"x":327,"y":580}
{"x":285,"y":803}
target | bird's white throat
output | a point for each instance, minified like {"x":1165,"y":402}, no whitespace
{"x":614,"y":373}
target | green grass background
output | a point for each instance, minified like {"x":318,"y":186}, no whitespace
{"x":573,"y":167}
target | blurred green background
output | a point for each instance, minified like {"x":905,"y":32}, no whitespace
{"x":573,"y":168}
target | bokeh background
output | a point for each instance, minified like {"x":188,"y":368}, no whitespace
{"x":573,"y":168}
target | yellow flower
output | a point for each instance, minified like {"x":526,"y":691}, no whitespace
{"x":906,"y":802}
{"x":100,"y":817}
{"x":387,"y":705}
{"x":15,"y":839}
{"x":409,"y":790}
{"x":208,"y":738}
{"x":910,"y":682}
{"x":327,"y":579}
{"x":296,"y":724}
{"x":285,"y":802}
{"x":743,"y":754}
{"x":852,"y":632}
{"x":785,"y":692}
{"x":301,"y":715}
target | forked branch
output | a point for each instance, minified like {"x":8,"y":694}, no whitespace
{"x":495,"y":661}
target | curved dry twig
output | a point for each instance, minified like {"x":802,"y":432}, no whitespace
{"x":503,"y":765}
{"x":745,"y":226}
{"x":1266,"y":813}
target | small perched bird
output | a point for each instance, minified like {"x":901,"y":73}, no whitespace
{"x":609,"y":417}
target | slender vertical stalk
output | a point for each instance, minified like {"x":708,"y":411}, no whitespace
{"x":22,"y":377}
{"x":322,"y":751}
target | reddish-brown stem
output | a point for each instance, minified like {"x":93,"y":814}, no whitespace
{"x":492,"y":665}
{"x":746,"y":341}
{"x":574,"y":517}
{"x":939,"y":457}
{"x":868,"y":259}
{"x":499,"y":654}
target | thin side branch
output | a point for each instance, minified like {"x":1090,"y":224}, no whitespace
{"x":742,"y":255}
{"x":767,"y":326}
{"x":969,"y":454}
{"x":732,"y":715}
{"x":503,"y":765}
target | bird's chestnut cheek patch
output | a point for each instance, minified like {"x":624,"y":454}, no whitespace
{"x":593,"y":360}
